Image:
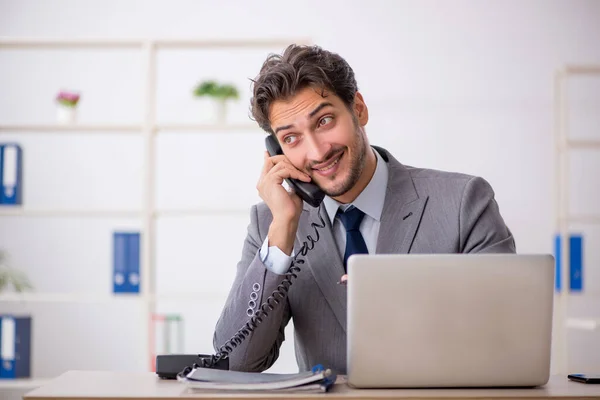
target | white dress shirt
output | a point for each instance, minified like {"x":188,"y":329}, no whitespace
{"x":370,"y":201}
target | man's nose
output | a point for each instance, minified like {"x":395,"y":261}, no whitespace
{"x":317,"y":149}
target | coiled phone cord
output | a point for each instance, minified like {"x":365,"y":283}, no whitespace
{"x":263,"y":312}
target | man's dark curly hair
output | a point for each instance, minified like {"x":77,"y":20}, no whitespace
{"x":300,"y":66}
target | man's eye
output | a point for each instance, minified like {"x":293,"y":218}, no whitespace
{"x":289,"y":139}
{"x":325,"y":121}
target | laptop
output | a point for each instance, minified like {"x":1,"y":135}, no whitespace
{"x":452,"y":320}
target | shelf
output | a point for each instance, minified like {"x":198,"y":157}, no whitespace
{"x":206,"y":127}
{"x":585,"y":324}
{"x":191,"y":212}
{"x":71,"y":128}
{"x":58,"y":43}
{"x":104,"y":128}
{"x":582,"y":69}
{"x":99,"y":298}
{"x":225,"y":43}
{"x":139,"y":43}
{"x":583,"y":144}
{"x":22,"y":383}
{"x":206,"y":295}
{"x":33,"y":297}
{"x":12,"y":211}
{"x":582,"y":219}
{"x":579,"y":144}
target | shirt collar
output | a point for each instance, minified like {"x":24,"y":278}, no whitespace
{"x":370,"y":200}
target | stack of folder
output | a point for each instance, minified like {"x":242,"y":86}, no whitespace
{"x":317,"y":380}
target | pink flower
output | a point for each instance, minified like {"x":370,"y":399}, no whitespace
{"x":68,"y":98}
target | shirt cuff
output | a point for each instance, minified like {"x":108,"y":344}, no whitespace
{"x":274,"y":259}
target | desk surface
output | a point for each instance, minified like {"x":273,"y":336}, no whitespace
{"x":80,"y":385}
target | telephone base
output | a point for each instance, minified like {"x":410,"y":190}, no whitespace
{"x":169,"y":365}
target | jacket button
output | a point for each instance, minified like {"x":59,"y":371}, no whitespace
{"x":252,"y":304}
{"x":256,"y":287}
{"x":250,"y":312}
{"x":253,"y":296}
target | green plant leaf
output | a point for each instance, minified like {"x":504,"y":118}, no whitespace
{"x":16,"y":279}
{"x":3,"y":281}
{"x":213,"y":89}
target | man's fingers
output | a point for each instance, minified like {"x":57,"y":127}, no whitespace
{"x":276,"y":169}
{"x":285,"y":170}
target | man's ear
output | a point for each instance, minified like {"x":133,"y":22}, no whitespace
{"x":360,"y":109}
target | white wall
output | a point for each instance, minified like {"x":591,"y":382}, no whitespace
{"x":455,"y":85}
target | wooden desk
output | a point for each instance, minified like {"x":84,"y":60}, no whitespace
{"x":80,"y":385}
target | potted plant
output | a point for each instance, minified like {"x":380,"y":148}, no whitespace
{"x":67,"y":107}
{"x":220,"y":93}
{"x":12,"y":277}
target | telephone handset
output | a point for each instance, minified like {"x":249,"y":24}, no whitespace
{"x":307,"y":191}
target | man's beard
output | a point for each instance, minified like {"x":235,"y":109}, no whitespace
{"x":357,"y":165}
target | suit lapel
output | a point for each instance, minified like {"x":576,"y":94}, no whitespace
{"x":402,"y":210}
{"x":324,"y":260}
{"x":400,"y":218}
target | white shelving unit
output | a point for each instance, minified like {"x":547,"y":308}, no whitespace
{"x":100,"y":298}
{"x":564,"y":145}
{"x":22,"y":383}
{"x":107,"y":128}
{"x":99,"y":213}
{"x":72,"y":128}
{"x":149,"y":129}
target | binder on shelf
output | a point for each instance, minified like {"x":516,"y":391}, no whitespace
{"x":576,"y":263}
{"x":158,"y":344}
{"x":575,"y":259}
{"x":166,"y":336}
{"x":126,"y":262}
{"x":15,"y":347}
{"x":11,"y":174}
{"x":557,"y":263}
{"x":174,"y":334}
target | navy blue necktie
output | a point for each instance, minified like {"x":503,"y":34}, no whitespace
{"x":355,"y":243}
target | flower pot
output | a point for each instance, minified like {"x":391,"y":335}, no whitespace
{"x":66,"y":115}
{"x":212,"y":111}
{"x":221,"y":111}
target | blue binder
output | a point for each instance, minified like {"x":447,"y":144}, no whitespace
{"x":575,"y":258}
{"x":11,"y":187}
{"x":576,"y":263}
{"x":15,"y":347}
{"x":126,"y":262}
{"x":133,"y":265}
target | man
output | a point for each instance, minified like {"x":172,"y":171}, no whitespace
{"x":308,"y":98}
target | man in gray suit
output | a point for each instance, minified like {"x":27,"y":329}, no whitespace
{"x":308,"y":98}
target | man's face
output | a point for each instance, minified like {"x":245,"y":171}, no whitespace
{"x":321,"y":137}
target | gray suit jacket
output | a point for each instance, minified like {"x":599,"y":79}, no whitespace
{"x":425,"y":211}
